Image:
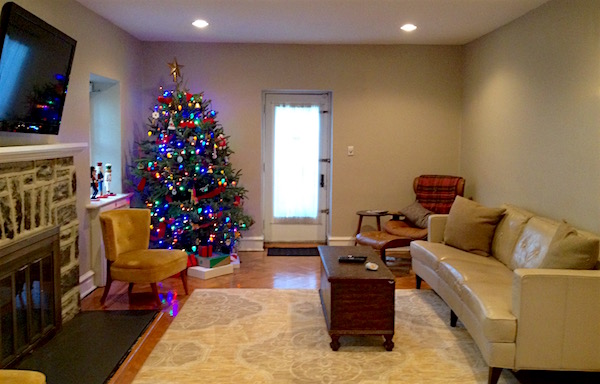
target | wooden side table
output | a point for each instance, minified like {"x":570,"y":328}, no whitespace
{"x":376,"y":214}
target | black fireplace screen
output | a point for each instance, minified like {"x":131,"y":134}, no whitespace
{"x":29,"y":293}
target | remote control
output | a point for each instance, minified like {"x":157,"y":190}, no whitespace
{"x":352,"y":259}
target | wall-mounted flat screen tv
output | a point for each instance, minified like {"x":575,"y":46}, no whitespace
{"x":35,"y":64}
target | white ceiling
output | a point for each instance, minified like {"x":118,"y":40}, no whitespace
{"x":312,"y":21}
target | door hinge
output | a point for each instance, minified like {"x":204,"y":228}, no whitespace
{"x":325,"y":211}
{"x":325,"y":160}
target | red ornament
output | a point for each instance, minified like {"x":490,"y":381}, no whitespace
{"x":162,"y":227}
{"x":141,"y":184}
{"x":221,"y":142}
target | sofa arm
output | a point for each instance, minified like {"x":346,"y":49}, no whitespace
{"x":436,"y":224}
{"x":558,"y":319}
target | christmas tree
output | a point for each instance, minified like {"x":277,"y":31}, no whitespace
{"x":184,"y":176}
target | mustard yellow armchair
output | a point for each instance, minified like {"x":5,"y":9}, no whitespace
{"x":18,"y":376}
{"x":126,"y":235}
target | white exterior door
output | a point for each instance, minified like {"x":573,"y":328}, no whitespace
{"x":296,"y":166}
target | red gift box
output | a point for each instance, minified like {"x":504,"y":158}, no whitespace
{"x":205,"y":251}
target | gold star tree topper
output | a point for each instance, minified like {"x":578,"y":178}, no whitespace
{"x":175,"y":69}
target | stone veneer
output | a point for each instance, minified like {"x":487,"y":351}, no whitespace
{"x":37,"y":194}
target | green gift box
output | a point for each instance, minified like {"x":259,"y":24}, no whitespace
{"x":216,"y":260}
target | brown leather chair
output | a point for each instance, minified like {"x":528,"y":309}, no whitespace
{"x":126,"y":235}
{"x":434,"y":193}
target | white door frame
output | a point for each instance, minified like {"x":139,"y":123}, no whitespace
{"x":327,"y":165}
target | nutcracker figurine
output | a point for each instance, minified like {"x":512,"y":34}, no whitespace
{"x":108,"y":179}
{"x":93,"y":182}
{"x":100,"y":176}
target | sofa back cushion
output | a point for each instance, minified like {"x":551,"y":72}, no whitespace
{"x":508,"y":231}
{"x":546,"y":243}
{"x":571,"y":249}
{"x":532,"y":245}
{"x":470,"y":226}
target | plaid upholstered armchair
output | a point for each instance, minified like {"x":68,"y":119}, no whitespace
{"x":434,"y":194}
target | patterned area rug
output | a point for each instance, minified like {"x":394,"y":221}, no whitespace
{"x":280,"y":336}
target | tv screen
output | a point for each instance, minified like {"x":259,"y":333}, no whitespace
{"x":35,"y":63}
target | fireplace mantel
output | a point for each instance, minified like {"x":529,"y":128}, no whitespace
{"x":39,"y":152}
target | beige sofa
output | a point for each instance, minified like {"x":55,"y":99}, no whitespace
{"x":520,"y":315}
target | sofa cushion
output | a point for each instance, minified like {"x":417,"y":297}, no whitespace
{"x":508,"y":231}
{"x":471,"y":226}
{"x":431,"y":254}
{"x":491,"y":304}
{"x":571,"y":250}
{"x":533,"y":243}
{"x":484,"y":285}
{"x":416,"y":214}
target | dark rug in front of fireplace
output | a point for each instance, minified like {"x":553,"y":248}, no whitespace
{"x":90,"y":347}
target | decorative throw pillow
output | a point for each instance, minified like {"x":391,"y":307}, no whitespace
{"x":470,"y":226}
{"x":416,"y":214}
{"x":570,"y":250}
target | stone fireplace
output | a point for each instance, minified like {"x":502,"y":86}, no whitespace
{"x":38,"y":186}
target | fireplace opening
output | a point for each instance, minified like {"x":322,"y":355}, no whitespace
{"x":30,"y":300}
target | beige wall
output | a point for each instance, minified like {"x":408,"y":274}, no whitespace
{"x":531,"y":113}
{"x":399,"y":106}
{"x":104,"y":50}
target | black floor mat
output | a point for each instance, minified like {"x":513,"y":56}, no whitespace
{"x":312,"y":251}
{"x":90,"y":347}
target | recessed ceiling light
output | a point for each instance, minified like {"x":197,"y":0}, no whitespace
{"x":408,"y":27}
{"x":200,"y":23}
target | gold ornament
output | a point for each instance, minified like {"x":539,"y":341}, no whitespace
{"x":175,"y":69}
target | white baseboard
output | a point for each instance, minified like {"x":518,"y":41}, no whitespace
{"x":86,"y":284}
{"x":340,"y":241}
{"x":255,"y":243}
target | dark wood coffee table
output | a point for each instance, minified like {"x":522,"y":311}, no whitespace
{"x":356,"y":301}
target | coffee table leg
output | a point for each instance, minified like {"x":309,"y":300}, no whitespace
{"x":388,"y":343}
{"x":335,"y":342}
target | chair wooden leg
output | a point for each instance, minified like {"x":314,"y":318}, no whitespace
{"x":382,"y":253}
{"x":156,"y":294}
{"x":106,"y":289}
{"x":184,"y":280}
{"x":494,"y":375}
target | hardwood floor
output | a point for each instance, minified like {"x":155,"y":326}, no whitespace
{"x":257,"y":270}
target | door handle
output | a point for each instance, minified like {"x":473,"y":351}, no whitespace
{"x":322,"y":181}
